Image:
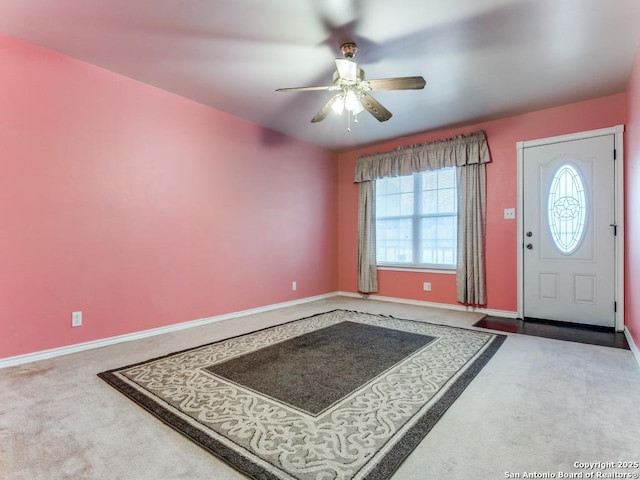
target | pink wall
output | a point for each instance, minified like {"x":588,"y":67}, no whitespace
{"x":143,"y":209}
{"x":502,"y":136}
{"x":632,"y":212}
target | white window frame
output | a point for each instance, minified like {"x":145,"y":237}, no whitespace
{"x":416,"y":219}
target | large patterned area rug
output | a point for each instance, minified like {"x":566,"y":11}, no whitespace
{"x":339,"y":395}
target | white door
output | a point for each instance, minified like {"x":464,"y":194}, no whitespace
{"x":568,"y":232}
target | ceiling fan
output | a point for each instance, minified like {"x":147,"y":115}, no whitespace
{"x":353,"y":90}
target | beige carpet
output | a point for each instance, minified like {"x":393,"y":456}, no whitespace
{"x":540,"y":405}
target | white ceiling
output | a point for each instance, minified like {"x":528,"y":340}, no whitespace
{"x":482,"y":59}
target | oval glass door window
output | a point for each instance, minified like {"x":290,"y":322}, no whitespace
{"x":567,"y":208}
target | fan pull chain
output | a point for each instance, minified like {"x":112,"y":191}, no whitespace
{"x":355,"y":120}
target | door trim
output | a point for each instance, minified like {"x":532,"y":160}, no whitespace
{"x":617,"y":131}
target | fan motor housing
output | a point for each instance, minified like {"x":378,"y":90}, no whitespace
{"x":349,"y":49}
{"x":360,"y":76}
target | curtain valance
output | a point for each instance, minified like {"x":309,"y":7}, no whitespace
{"x":459,"y":151}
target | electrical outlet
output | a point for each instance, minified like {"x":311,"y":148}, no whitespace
{"x":76,"y":319}
{"x":426,"y":286}
{"x":294,"y":286}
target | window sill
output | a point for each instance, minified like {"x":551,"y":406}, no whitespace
{"x":398,"y":268}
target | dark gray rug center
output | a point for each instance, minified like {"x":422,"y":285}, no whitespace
{"x":313,"y":371}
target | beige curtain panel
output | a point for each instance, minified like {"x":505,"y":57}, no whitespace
{"x":469,"y":153}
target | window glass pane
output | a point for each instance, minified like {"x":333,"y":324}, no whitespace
{"x":430,"y":202}
{"x":446,"y":200}
{"x":439,"y":240}
{"x":567,"y":208}
{"x":430,"y":180}
{"x":394,"y":197}
{"x":406,"y":183}
{"x":406,"y":203}
{"x":382,"y":187}
{"x":446,"y":177}
{"x":394,"y":242}
{"x":439,"y":191}
{"x":430,"y":212}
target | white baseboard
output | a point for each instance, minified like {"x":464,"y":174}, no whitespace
{"x":422,"y":303}
{"x":632,"y":345}
{"x":56,"y":352}
{"x":79,"y":347}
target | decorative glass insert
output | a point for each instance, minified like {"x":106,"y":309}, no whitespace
{"x":567,"y":208}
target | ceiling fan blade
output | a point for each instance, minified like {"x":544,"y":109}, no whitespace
{"x":347,"y":69}
{"x":375,"y":108}
{"x":324,"y":111}
{"x":306,"y":89}
{"x":399,"y":83}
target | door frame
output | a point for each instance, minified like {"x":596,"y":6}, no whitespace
{"x":617,"y":132}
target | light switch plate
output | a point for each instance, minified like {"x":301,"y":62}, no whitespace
{"x":509,"y":213}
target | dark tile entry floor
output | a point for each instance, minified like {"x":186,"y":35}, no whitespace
{"x":557,"y":330}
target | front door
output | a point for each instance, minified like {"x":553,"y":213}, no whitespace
{"x":568,"y":231}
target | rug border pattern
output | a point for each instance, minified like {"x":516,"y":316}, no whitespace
{"x":389,"y":458}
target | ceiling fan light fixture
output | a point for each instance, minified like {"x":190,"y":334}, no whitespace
{"x":338,"y":105}
{"x":353,"y":90}
{"x":352,"y":102}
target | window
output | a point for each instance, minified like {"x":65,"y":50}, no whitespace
{"x":567,"y":209}
{"x":416,"y":219}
